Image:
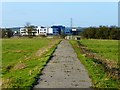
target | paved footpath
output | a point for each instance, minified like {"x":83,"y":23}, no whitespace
{"x":64,"y":70}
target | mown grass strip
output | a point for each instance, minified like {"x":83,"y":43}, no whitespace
{"x":99,"y":77}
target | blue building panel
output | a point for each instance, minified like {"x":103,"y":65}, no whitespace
{"x":57,"y":29}
{"x":68,"y":31}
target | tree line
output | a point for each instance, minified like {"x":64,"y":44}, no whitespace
{"x":101,"y":32}
{"x":8,"y":33}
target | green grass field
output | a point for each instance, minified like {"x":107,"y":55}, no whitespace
{"x":96,"y":71}
{"x":23,"y":59}
{"x":105,"y":48}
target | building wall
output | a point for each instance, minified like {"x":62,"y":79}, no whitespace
{"x":68,"y":31}
{"x":57,"y":30}
{"x":50,"y":31}
{"x":41,"y":31}
{"x":23,"y":31}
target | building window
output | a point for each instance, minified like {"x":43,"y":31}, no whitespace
{"x":44,"y":29}
{"x":38,"y":31}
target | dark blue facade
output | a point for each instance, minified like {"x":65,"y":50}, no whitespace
{"x":57,"y":30}
{"x":60,"y":30}
{"x":68,"y":31}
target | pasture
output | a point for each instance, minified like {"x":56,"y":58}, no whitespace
{"x":23,"y":59}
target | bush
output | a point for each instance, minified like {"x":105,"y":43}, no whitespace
{"x":102,"y":32}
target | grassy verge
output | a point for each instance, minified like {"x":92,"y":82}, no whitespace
{"x":24,"y":64}
{"x":96,"y":72}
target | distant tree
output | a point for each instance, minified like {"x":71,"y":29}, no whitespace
{"x":9,"y":33}
{"x":98,"y":34}
{"x":0,"y":33}
{"x":102,"y":32}
{"x":114,"y":32}
{"x":84,"y":33}
{"x":6,"y":33}
{"x":118,"y":33}
{"x":63,"y":34}
{"x":30,"y":29}
{"x":91,"y":32}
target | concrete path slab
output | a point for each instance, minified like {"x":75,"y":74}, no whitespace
{"x":64,"y":70}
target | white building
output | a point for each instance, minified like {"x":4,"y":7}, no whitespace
{"x":39,"y":31}
{"x":74,"y":29}
{"x":50,"y":31}
{"x":44,"y":31}
{"x":23,"y":31}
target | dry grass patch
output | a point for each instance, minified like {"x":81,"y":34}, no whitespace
{"x":20,"y":66}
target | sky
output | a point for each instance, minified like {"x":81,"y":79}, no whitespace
{"x":15,"y":14}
